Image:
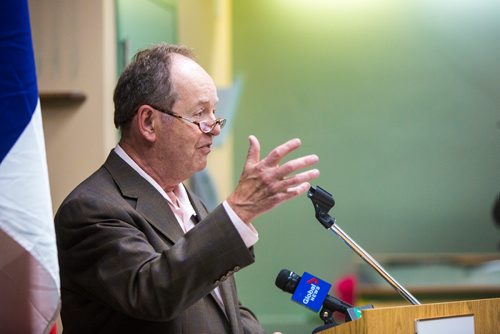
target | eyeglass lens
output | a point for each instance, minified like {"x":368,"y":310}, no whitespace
{"x":206,"y":127}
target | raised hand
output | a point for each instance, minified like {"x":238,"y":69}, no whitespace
{"x":265,"y":183}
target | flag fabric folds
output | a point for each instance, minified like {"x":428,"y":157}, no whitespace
{"x":29,"y":274}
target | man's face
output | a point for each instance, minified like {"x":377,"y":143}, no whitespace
{"x":183,"y":147}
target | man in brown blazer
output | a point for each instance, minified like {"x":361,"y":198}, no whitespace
{"x":138,"y":252}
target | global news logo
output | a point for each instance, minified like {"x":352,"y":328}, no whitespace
{"x":311,"y":292}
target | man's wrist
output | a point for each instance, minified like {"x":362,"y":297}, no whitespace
{"x":247,"y":232}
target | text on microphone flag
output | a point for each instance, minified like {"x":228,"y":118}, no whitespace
{"x":311,"y":292}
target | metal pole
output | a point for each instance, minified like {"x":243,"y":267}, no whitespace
{"x":372,"y":262}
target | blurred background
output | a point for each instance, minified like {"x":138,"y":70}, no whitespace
{"x":401,"y":101}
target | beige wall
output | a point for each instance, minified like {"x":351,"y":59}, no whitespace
{"x":74,"y":45}
{"x":75,"y":52}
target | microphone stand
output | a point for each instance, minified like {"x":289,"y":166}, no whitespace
{"x":323,"y":201}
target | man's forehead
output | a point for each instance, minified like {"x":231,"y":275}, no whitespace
{"x":207,"y":101}
{"x":184,"y":65}
{"x":189,"y":76}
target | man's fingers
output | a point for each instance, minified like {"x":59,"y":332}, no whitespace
{"x":299,"y":190}
{"x":300,"y":178}
{"x":291,"y":192}
{"x":296,"y":164}
{"x":274,"y":157}
{"x":253,"y":155}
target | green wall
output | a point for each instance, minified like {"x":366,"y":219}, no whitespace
{"x":140,"y":23}
{"x":401,"y":101}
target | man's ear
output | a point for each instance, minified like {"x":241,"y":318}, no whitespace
{"x":146,"y":118}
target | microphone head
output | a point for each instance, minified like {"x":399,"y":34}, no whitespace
{"x":287,"y":280}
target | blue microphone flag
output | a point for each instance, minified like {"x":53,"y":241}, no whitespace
{"x":311,"y":292}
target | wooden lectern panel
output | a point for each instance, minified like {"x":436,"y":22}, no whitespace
{"x":401,"y":320}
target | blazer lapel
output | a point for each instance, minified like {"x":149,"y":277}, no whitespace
{"x":231,"y":304}
{"x":219,"y":302}
{"x":149,"y":202}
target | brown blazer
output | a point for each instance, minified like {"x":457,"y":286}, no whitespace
{"x":127,"y":267}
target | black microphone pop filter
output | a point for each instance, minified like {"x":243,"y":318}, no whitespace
{"x":287,"y":280}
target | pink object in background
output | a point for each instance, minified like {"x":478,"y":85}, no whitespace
{"x":345,"y":289}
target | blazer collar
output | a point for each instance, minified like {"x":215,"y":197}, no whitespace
{"x":148,"y":201}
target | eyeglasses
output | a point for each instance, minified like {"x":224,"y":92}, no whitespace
{"x":204,"y":126}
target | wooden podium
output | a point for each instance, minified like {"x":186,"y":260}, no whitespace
{"x":401,"y":319}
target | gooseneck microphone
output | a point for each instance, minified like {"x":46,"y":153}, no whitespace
{"x":288,"y":281}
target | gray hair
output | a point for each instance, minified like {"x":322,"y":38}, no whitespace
{"x":146,"y":80}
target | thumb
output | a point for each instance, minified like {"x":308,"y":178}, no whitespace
{"x":253,"y":155}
